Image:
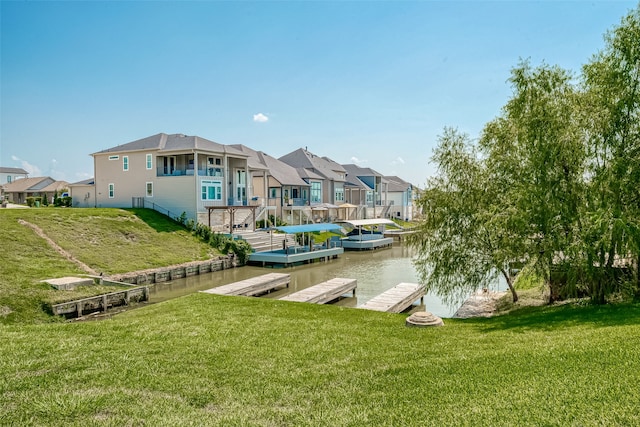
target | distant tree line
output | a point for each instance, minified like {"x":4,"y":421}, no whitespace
{"x":552,"y":183}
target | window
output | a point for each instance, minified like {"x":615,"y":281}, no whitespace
{"x":241,"y":185}
{"x":112,"y":191}
{"x":125,"y":163}
{"x":339,"y":194}
{"x":316,"y":192}
{"x":114,"y":157}
{"x":9,"y":178}
{"x":274,"y":193}
{"x":211,"y":190}
{"x":369,"y":196}
{"x":149,"y":189}
{"x":149,"y":161}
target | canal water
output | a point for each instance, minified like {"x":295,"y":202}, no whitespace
{"x":376,"y":271}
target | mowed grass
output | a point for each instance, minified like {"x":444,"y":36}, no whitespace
{"x":237,"y":361}
{"x":108,"y":240}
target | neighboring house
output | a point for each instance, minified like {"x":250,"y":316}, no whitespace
{"x":9,"y":175}
{"x":366,"y":187}
{"x":83,"y":193}
{"x":401,"y":198}
{"x":325,"y":177}
{"x":44,"y":186}
{"x":173,"y":173}
{"x":277,"y":185}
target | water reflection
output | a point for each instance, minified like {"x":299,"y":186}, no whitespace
{"x":376,"y":271}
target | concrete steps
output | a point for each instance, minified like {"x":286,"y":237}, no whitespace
{"x":262,"y":241}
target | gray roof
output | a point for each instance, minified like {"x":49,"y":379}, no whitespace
{"x":19,"y":171}
{"x":90,"y":181}
{"x":396,"y":184}
{"x":282,"y":172}
{"x":323,"y":166}
{"x":176,"y":142}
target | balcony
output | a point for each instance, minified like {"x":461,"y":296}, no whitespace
{"x":213,"y":172}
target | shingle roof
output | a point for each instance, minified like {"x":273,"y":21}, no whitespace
{"x":173,"y":142}
{"x":19,"y":171}
{"x":28,"y":185}
{"x":282,"y":172}
{"x":90,"y":181}
{"x":323,"y":166}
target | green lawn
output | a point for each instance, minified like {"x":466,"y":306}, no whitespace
{"x":108,"y":240}
{"x":215,"y":360}
{"x":234,"y":361}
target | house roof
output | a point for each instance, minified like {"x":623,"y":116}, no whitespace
{"x":308,"y":174}
{"x":36,"y":184}
{"x":397,"y":184}
{"x":90,"y":181}
{"x":354,"y":172}
{"x":19,"y":171}
{"x":282,"y":172}
{"x":323,"y":166}
{"x":163,"y":142}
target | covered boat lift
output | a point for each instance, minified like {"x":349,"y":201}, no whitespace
{"x":299,"y":253}
{"x":360,"y":238}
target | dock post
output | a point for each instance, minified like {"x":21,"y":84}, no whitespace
{"x":104,"y":302}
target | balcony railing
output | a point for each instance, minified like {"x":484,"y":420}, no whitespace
{"x":213,"y":172}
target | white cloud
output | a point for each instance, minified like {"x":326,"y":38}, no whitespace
{"x":260,"y":118}
{"x":32,"y":170}
{"x":398,"y":161}
{"x":358,"y":161}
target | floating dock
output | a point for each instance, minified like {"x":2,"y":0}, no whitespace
{"x":371,"y":243}
{"x":324,"y":292}
{"x":396,"y":299}
{"x":254,"y":286}
{"x":293,"y":255}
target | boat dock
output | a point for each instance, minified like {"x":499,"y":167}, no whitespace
{"x":396,"y":299}
{"x":324,"y":292}
{"x":254,"y":286}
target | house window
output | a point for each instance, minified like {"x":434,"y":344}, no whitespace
{"x":273,"y":193}
{"x":125,"y":163}
{"x":369,"y":196}
{"x":9,"y":179}
{"x":114,"y":157}
{"x":211,"y":190}
{"x":339,"y":194}
{"x":112,"y":191}
{"x":149,"y":162}
{"x":241,"y":185}
{"x":149,"y":189}
{"x":316,"y":192}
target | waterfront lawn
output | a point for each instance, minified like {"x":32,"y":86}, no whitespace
{"x":108,"y":240}
{"x":235,"y":361}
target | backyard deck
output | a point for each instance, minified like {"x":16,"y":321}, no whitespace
{"x":396,"y":299}
{"x":254,"y":286}
{"x":324,"y":292}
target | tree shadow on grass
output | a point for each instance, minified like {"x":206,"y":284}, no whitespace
{"x":562,"y":316}
{"x":159,"y":222}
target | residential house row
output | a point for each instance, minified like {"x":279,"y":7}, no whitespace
{"x":176,"y":173}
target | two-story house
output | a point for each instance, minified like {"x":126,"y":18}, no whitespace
{"x":174,"y":173}
{"x":277,"y":185}
{"x":9,"y":175}
{"x":400,"y":198}
{"x":367,"y":187}
{"x":325,"y":177}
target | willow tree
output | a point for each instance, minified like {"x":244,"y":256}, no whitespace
{"x":611,"y":114}
{"x":464,"y":241}
{"x":535,"y":149}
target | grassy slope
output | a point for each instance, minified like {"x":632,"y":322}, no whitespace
{"x":214,"y":360}
{"x":109,"y":240}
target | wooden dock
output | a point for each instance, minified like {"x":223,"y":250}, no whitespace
{"x":324,"y":292}
{"x":396,"y":299}
{"x":254,"y":286}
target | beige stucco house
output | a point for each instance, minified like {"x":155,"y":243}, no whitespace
{"x":173,"y":173}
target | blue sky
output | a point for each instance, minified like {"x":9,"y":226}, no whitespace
{"x":372,"y":83}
